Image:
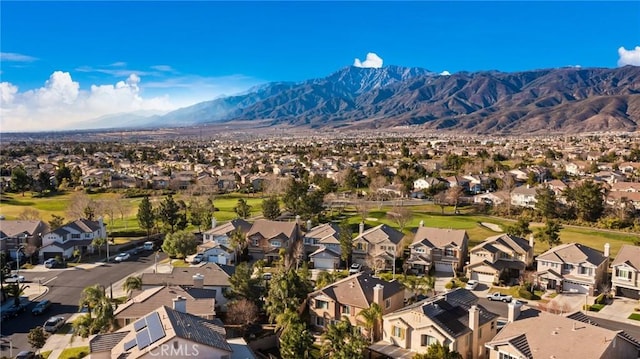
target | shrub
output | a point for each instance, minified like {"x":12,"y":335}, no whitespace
{"x":524,"y":293}
{"x":596,"y":307}
{"x":450,"y":285}
{"x":601,"y":299}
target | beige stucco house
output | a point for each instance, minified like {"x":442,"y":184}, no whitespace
{"x":443,"y":249}
{"x":625,"y":273}
{"x":502,"y":256}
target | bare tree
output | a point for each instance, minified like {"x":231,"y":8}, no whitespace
{"x":441,"y":200}
{"x":123,"y":209}
{"x":375,"y":184}
{"x":453,"y":196}
{"x":508,"y":184}
{"x":363,"y":208}
{"x":375,"y":263}
{"x":28,"y":214}
{"x":400,"y":215}
{"x":274,"y":185}
{"x":79,"y":203}
{"x":243,"y":312}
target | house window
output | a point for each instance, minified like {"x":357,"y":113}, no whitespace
{"x":276,"y":244}
{"x":387,"y":303}
{"x":505,"y":356}
{"x":586,"y":271}
{"x":567,"y":266}
{"x":427,"y":340}
{"x":398,"y":332}
{"x":255,"y":242}
{"x":449,"y":252}
{"x":321,"y":304}
{"x":345,"y":309}
{"x":361,"y":246}
{"x":75,"y":235}
{"x":623,"y":274}
{"x":419,"y":250}
{"x":320,"y":321}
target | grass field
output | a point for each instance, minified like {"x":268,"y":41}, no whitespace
{"x":78,"y":352}
{"x":11,"y":205}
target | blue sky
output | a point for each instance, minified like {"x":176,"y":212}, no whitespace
{"x":79,"y":60}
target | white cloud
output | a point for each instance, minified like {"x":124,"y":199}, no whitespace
{"x":372,"y":61}
{"x":15,"y":57}
{"x":60,"y":103}
{"x":118,"y":64}
{"x":445,"y":73}
{"x":163,"y":68}
{"x":629,"y":57}
{"x":118,"y":71}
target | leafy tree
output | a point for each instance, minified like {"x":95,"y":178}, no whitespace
{"x":325,"y":278}
{"x":519,"y":229}
{"x":438,"y":351}
{"x":243,"y":285}
{"x":288,"y":289}
{"x":180,"y":244}
{"x":132,"y":283}
{"x":100,"y":316}
{"x":20,"y":180}
{"x":550,"y":233}
{"x":56,"y":222}
{"x":296,"y":340}
{"x":372,"y":317}
{"x":146,"y":215}
{"x":98,"y":242}
{"x":271,"y":208}
{"x":15,"y":290}
{"x":37,"y":338}
{"x":419,"y":285}
{"x":342,"y":341}
{"x":200,"y":213}
{"x":346,"y":242}
{"x":64,"y":173}
{"x":546,"y":202}
{"x":242,"y":209}
{"x":588,"y":200}
{"x":169,"y":213}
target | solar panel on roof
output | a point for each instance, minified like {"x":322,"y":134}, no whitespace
{"x":156,"y":331}
{"x":143,"y":339}
{"x":130,"y":344}
{"x":140,"y":324}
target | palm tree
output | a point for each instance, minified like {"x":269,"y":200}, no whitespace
{"x":371,"y":317}
{"x":91,"y":297}
{"x":238,"y":242}
{"x":132,"y":283}
{"x":96,"y":301}
{"x":342,"y":341}
{"x":15,"y":291}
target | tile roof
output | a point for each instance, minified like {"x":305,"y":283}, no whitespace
{"x":515,"y":243}
{"x":357,"y":289}
{"x":229,"y":227}
{"x":573,"y":253}
{"x":628,"y":254}
{"x":440,"y":237}
{"x":214,"y":275}
{"x":271,"y":229}
{"x":145,"y":301}
{"x":381,"y":233}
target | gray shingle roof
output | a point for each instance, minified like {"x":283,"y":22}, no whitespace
{"x":573,"y":253}
{"x":196,"y":329}
{"x":105,"y":342}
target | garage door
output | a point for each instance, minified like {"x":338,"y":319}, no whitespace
{"x":573,"y":287}
{"x":483,"y":277}
{"x":323,"y":263}
{"x":628,"y":292}
{"x":445,"y":267}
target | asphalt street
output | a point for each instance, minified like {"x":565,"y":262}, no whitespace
{"x":65,"y":286}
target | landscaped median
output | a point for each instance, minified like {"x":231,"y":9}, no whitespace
{"x":78,"y":352}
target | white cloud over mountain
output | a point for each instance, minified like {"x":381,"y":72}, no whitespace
{"x":629,"y":57}
{"x":372,"y":61}
{"x":61,"y":102}
{"x":445,"y":73}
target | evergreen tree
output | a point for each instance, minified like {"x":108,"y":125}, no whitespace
{"x":146,"y":215}
{"x":550,"y":233}
{"x":243,"y":285}
{"x":295,"y":340}
{"x":180,"y":244}
{"x":287,"y":290}
{"x":546,"y":202}
{"x":20,"y":180}
{"x":169,"y":213}
{"x":242,"y":209}
{"x":342,"y":341}
{"x":271,"y":208}
{"x":588,"y":200}
{"x":519,"y":229}
{"x":346,"y":242}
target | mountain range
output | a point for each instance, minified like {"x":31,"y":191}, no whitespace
{"x":563,"y":100}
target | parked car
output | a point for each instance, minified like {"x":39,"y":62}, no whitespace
{"x":53,"y":324}
{"x":148,"y":246}
{"x":41,"y":307}
{"x":198,"y":258}
{"x":499,"y":297}
{"x":25,"y":354}
{"x":13,"y":311}
{"x":355,"y":268}
{"x":51,"y":263}
{"x":14,"y":278}
{"x":122,"y":257}
{"x":471,"y":285}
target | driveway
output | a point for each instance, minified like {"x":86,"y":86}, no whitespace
{"x":569,"y":302}
{"x":619,"y":310}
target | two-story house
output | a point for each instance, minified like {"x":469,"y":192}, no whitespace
{"x":573,"y":267}
{"x":213,"y":278}
{"x":625,"y":279}
{"x":500,"y":257}
{"x":222,"y":233}
{"x":25,"y":233}
{"x":324,"y":243}
{"x":524,"y":196}
{"x":443,"y":249}
{"x":350,"y":296}
{"x":555,"y":336}
{"x":453,"y":319}
{"x":267,"y":237}
{"x":377,"y":247}
{"x":74,"y":235}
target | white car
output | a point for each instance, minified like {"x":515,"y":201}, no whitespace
{"x":14,"y":278}
{"x":53,"y":324}
{"x":122,"y":257}
{"x":471,"y":285}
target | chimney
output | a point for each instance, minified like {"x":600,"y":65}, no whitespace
{"x":180,"y":304}
{"x":474,"y":325}
{"x":213,"y":222}
{"x":308,"y":225}
{"x":607,"y":248}
{"x":103,"y":231}
{"x":198,"y":281}
{"x":421,"y":224}
{"x":513,"y":312}
{"x":531,"y":242}
{"x":378,"y":295}
{"x":361,"y":228}
{"x":298,"y":220}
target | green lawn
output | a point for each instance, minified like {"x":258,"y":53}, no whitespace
{"x":635,"y":316}
{"x":78,"y":352}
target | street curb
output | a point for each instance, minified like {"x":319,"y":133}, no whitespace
{"x":46,"y":290}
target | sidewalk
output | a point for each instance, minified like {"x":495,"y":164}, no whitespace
{"x":59,"y":342}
